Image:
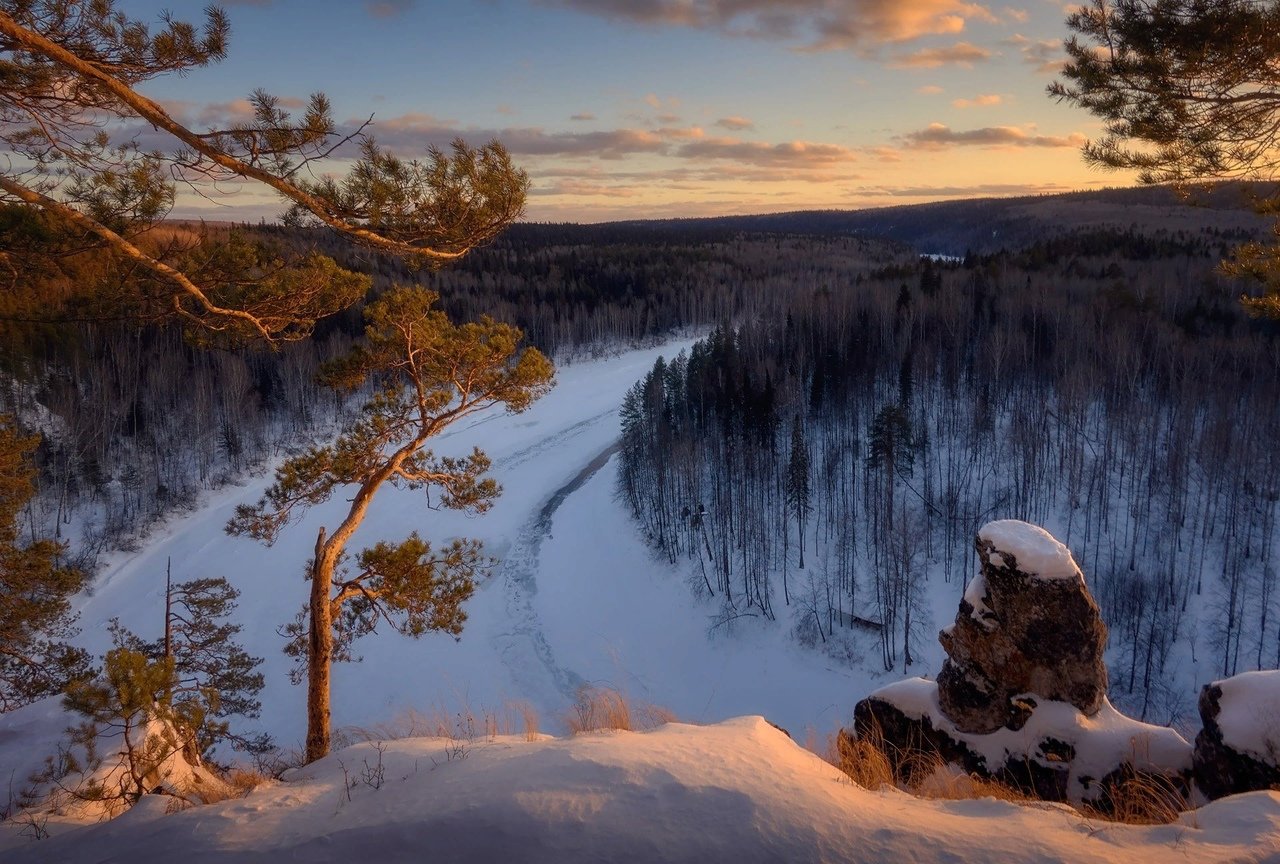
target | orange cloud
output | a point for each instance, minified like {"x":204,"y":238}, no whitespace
{"x":959,"y":54}
{"x":980,"y":101}
{"x":735,"y":124}
{"x":412,"y":134}
{"x":793,"y":153}
{"x":938,"y":136}
{"x":820,"y":24}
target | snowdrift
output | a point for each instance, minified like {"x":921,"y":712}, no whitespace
{"x":737,"y":791}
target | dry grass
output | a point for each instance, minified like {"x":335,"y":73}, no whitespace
{"x":1143,"y":799}
{"x":948,"y":782}
{"x":244,"y":780}
{"x":598,"y":708}
{"x":464,"y":724}
{"x":528,"y":718}
{"x":862,"y":760}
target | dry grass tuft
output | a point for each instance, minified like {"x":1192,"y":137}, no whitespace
{"x":650,"y":716}
{"x":1143,"y":799}
{"x":244,"y":780}
{"x":948,"y":782}
{"x":528,"y":718}
{"x":598,"y":708}
{"x":862,"y":759}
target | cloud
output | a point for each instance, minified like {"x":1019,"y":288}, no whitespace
{"x":578,"y":188}
{"x":583,"y":116}
{"x":980,"y":101}
{"x":202,"y":116}
{"x":1013,"y":14}
{"x":411,"y":134}
{"x":886,"y":154}
{"x":959,"y":54}
{"x":796,"y":154}
{"x":694,"y":177}
{"x":735,"y":123}
{"x":822,"y":25}
{"x":1044,"y":54}
{"x":929,"y":90}
{"x":680,"y":132}
{"x":938,"y":136}
{"x":986,"y":190}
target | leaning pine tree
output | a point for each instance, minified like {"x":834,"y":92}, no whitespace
{"x":426,"y":373}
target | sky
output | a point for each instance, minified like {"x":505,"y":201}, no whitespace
{"x":627,"y":109}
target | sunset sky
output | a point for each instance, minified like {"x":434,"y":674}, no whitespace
{"x":660,"y":108}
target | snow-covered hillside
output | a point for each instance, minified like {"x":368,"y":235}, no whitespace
{"x":577,"y":599}
{"x":738,"y":791}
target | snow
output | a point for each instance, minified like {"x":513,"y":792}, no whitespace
{"x":33,"y":733}
{"x":1249,"y":714}
{"x":1037,"y":552}
{"x":578,"y":597}
{"x":27,"y":736}
{"x":736,"y":791}
{"x":1101,"y":742}
{"x":975,"y":594}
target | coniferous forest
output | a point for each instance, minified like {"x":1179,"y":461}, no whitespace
{"x":821,"y":464}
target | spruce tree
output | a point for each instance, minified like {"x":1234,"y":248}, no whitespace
{"x":797,"y":487}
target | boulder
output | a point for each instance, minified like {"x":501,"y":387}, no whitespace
{"x":1026,"y":625}
{"x":1057,"y":754}
{"x":1238,"y":750}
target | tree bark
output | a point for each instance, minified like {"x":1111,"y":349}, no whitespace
{"x":319,"y":652}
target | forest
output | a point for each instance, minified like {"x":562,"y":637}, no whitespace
{"x":854,"y":403}
{"x":826,"y":464}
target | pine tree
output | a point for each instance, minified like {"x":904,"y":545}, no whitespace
{"x":1187,"y":90}
{"x":427,"y":374}
{"x":208,"y":663}
{"x":134,"y":707}
{"x":35,"y":591}
{"x":70,"y":69}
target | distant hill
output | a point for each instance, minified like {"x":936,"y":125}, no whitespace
{"x":979,"y":225}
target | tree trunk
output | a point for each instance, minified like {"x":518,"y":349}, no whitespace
{"x":319,"y":653}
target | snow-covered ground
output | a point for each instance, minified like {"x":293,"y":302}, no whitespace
{"x":738,"y":791}
{"x":577,"y":598}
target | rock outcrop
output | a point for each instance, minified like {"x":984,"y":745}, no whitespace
{"x":1056,"y":754}
{"x":1027,"y":625}
{"x":1022,"y":695}
{"x":1238,"y":750}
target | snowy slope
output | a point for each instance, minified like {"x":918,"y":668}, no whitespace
{"x":738,"y":791}
{"x":577,"y":597}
